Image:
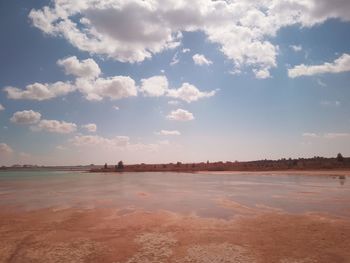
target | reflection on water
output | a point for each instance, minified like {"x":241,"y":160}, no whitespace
{"x":201,"y":194}
{"x":342,"y":179}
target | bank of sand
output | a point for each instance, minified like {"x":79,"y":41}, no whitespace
{"x":129,"y":235}
{"x":284,"y":172}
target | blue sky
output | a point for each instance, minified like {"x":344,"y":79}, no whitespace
{"x":159,"y":82}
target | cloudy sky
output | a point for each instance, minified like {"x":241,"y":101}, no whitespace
{"x":90,"y":81}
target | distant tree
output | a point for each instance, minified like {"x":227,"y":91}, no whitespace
{"x":105,"y":166}
{"x":120,"y":165}
{"x":178,"y":163}
{"x":340,"y":157}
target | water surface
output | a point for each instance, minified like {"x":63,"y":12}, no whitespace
{"x":207,"y":195}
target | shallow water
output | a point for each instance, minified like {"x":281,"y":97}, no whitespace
{"x":206,"y":195}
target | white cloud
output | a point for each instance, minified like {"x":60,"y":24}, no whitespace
{"x":155,"y":86}
{"x":61,"y":147}
{"x":321,"y":83}
{"x":26,"y":117}
{"x":115,"y":88}
{"x":341,"y":64}
{"x":261,"y":74}
{"x":1,"y":107}
{"x":180,"y":115}
{"x":296,"y":48}
{"x":336,"y":135}
{"x":116,"y":107}
{"x":158,"y":86}
{"x":39,"y":91}
{"x":32,"y":117}
{"x":173,"y":102}
{"x":132,"y":31}
{"x":24,"y":157}
{"x":186,"y":50}
{"x":167,"y":132}
{"x":310,"y":135}
{"x":201,"y":60}
{"x":189,"y":93}
{"x":331,"y":135}
{"x":55,"y":126}
{"x":117,"y":142}
{"x":95,"y":140}
{"x":5,"y":149}
{"x":335,"y":103}
{"x":235,"y":71}
{"x":87,"y":68}
{"x":91,"y":127}
{"x":175,"y":60}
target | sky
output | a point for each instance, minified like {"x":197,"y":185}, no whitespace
{"x":153,"y":81}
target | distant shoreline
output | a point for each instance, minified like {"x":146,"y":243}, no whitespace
{"x":301,"y":164}
{"x":320,"y":172}
{"x":339,"y":165}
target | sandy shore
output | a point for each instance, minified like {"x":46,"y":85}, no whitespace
{"x":284,"y":172}
{"x":111,"y":235}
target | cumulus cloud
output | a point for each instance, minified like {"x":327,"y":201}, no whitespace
{"x":261,"y":74}
{"x":341,"y":64}
{"x":40,"y":91}
{"x":5,"y":149}
{"x":201,"y":60}
{"x":115,"y":88}
{"x":180,"y":115}
{"x":91,"y":127}
{"x":1,"y":107}
{"x":167,"y":132}
{"x":158,"y":86}
{"x":186,"y":50}
{"x":155,"y":86}
{"x":87,"y":82}
{"x":87,"y":68}
{"x":55,"y":126}
{"x":132,"y":31}
{"x":26,"y":117}
{"x":189,"y":93}
{"x":34,"y":118}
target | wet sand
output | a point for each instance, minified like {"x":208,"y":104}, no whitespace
{"x":174,"y":218}
{"x":107,"y":235}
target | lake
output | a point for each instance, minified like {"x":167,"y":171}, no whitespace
{"x":276,"y":217}
{"x":205,"y":195}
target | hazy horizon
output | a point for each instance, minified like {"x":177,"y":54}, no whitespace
{"x":164,"y":81}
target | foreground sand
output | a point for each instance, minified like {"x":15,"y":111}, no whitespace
{"x":110,"y":235}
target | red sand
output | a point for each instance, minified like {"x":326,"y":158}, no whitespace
{"x":105,"y":235}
